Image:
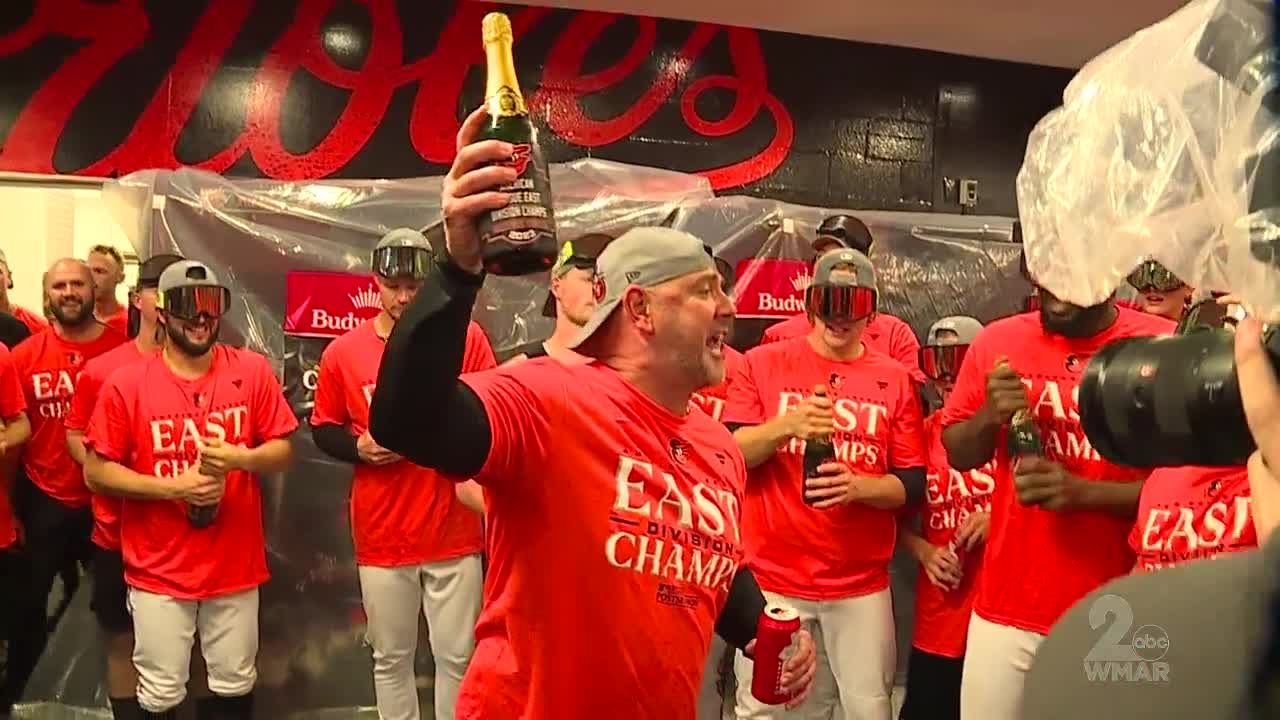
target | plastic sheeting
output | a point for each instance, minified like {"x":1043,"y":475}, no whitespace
{"x":297,"y":254}
{"x":1155,"y":152}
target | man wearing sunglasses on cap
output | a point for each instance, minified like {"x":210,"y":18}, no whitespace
{"x":1059,"y":520}
{"x":953,"y":522}
{"x":885,"y":333}
{"x":417,"y":548}
{"x":822,"y":545}
{"x":569,"y":299}
{"x":110,"y":594}
{"x":183,"y":436}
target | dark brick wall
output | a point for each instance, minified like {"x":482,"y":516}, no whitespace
{"x":823,"y":122}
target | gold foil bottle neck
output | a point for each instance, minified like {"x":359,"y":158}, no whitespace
{"x":496,"y":27}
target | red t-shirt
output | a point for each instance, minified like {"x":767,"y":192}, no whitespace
{"x":119,"y":321}
{"x":106,"y":508}
{"x":885,"y":333}
{"x":148,"y":420}
{"x":951,"y":496}
{"x":35,"y":322}
{"x":841,"y":552}
{"x":401,"y":514}
{"x":594,"y":490}
{"x":12,"y":404}
{"x":1188,"y":513}
{"x":47,"y":365}
{"x":1039,"y":562}
{"x":711,"y":399}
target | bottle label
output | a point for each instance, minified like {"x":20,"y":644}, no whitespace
{"x":506,"y":102}
{"x":528,"y":217}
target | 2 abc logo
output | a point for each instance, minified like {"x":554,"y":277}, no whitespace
{"x":1150,"y":642}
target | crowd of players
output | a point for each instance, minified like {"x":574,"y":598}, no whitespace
{"x":633,"y":484}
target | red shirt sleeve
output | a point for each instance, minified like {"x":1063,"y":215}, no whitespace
{"x":770,"y":334}
{"x":478,"y":354}
{"x":108,"y":433}
{"x":88,"y":385}
{"x":523,"y":402}
{"x":12,"y":401}
{"x":906,"y":439}
{"x":331,"y":399}
{"x":904,"y":345}
{"x":272,"y":416}
{"x":743,"y":404}
{"x":1135,"y":533}
{"x":970,"y":390}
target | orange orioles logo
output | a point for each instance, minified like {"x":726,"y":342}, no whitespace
{"x":520,"y":156}
{"x":680,"y":450}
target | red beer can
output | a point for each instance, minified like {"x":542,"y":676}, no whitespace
{"x":777,"y":628}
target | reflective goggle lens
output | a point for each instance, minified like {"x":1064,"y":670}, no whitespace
{"x":1153,"y":276}
{"x":191,"y":302}
{"x":395,"y":262}
{"x":836,"y":303}
{"x":942,"y":361}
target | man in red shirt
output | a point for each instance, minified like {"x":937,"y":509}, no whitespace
{"x":54,"y":506}
{"x":885,"y":333}
{"x":14,"y":431}
{"x":417,"y":547}
{"x":35,"y":322}
{"x":822,"y":545}
{"x":182,"y":436}
{"x":598,"y":479}
{"x":1059,"y":522}
{"x":108,"y":272}
{"x":569,"y":299}
{"x":110,"y":594}
{"x":954,"y":519}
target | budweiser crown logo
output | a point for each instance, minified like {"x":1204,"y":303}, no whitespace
{"x":366,"y":298}
{"x":801,"y":281}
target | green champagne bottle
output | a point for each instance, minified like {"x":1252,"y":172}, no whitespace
{"x":520,"y":238}
{"x":1024,"y":435}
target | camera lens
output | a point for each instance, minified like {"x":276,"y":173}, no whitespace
{"x":1167,"y":402}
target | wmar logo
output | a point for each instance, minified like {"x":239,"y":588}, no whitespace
{"x":1118,"y":655}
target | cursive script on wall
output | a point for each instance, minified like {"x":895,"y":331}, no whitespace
{"x":105,"y":33}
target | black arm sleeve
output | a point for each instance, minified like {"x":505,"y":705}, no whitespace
{"x":741,"y":613}
{"x":913,"y":480}
{"x":420,"y":410}
{"x":337,"y":442}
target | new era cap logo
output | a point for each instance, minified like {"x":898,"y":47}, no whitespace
{"x":632,"y":276}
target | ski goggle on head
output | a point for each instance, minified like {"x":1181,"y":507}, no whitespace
{"x":1151,"y":275}
{"x":189,"y":302}
{"x":400,"y":261}
{"x":942,"y":361}
{"x":840,"y":303}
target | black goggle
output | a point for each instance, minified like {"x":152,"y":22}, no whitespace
{"x":1151,"y":275}
{"x":581,"y":262}
{"x":1209,"y":314}
{"x":942,"y":361}
{"x":836,"y":303}
{"x":397,"y":262}
{"x":192,"y":301}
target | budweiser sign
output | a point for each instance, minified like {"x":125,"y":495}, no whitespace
{"x":771,"y":288}
{"x":320,"y":304}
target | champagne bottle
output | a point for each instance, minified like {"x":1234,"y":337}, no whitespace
{"x":1024,"y":435}
{"x":520,"y":238}
{"x":818,"y":451}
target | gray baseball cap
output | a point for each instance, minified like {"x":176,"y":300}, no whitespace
{"x":643,"y":257}
{"x":966,"y":329}
{"x":863,"y":275}
{"x":187,"y":273}
{"x":403,"y":237}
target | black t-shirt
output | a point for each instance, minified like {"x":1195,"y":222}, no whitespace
{"x":12,"y":330}
{"x":1212,"y":623}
